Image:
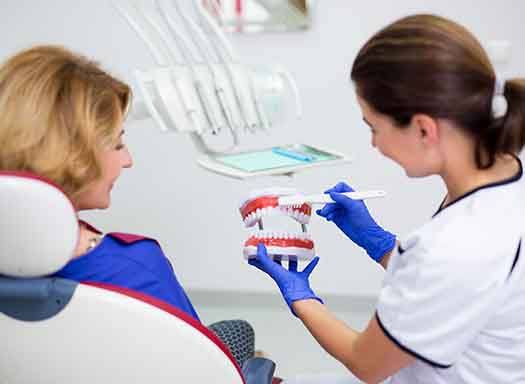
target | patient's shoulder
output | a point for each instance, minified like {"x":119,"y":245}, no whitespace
{"x":122,"y":237}
{"x":129,"y":238}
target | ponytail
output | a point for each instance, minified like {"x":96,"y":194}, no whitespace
{"x":513,"y":124}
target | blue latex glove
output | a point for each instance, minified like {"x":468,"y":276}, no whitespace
{"x":352,"y":217}
{"x":293,"y":284}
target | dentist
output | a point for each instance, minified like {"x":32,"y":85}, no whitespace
{"x":452,"y":305}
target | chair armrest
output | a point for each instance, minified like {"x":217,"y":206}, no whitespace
{"x":258,"y":370}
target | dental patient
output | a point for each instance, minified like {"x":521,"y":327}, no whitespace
{"x":61,"y":119}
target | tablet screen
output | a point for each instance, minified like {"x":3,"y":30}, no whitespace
{"x":276,"y":157}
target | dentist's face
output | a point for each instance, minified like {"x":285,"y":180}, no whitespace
{"x":402,"y":145}
{"x":112,"y":159}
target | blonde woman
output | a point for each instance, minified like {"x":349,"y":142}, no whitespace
{"x":61,"y":118}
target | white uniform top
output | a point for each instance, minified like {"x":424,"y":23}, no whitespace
{"x":454,"y":291}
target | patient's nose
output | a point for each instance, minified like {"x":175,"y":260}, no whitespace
{"x":127,"y":160}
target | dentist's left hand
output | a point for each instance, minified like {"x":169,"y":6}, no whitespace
{"x":294,"y":285}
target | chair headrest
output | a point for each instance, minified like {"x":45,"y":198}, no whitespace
{"x":38,"y":226}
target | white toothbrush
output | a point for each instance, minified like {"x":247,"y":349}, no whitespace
{"x":323,"y":198}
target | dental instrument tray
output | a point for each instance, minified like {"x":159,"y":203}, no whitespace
{"x":279,"y":160}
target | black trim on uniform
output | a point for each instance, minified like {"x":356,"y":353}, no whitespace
{"x":509,"y":180}
{"x":400,"y":250}
{"x":516,"y":257}
{"x":415,"y":354}
{"x":440,"y":206}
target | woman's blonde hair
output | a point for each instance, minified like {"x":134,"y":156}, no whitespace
{"x":57,"y":110}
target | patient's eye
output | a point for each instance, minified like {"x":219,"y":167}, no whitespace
{"x":372,"y":129}
{"x":120,"y":146}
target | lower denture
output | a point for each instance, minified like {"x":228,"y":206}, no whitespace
{"x":274,"y":242}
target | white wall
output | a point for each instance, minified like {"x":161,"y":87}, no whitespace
{"x":194,"y":213}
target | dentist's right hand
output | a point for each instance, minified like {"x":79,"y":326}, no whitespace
{"x":352,"y":217}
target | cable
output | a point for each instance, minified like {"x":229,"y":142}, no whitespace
{"x":236,"y":75}
{"x":157,"y":55}
{"x":184,"y":45}
{"x":219,"y":88}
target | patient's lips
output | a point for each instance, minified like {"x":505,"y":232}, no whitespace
{"x":265,"y":203}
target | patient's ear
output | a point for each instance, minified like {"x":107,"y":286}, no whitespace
{"x":426,"y":128}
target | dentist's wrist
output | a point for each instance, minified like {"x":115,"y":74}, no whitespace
{"x":300,"y":307}
{"x":381,"y":247}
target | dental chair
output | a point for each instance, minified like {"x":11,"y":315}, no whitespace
{"x":59,"y":331}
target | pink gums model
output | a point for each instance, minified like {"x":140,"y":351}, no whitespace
{"x":280,"y":245}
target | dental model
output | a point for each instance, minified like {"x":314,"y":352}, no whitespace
{"x":280,"y":245}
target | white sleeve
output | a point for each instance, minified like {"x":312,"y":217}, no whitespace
{"x":434,"y":301}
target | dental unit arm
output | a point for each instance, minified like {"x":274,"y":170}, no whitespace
{"x":201,"y":87}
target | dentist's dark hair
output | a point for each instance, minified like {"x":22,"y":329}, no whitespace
{"x":431,"y":65}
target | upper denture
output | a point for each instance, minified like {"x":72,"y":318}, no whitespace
{"x":253,"y":210}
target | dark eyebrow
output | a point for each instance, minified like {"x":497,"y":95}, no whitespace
{"x":367,"y":122}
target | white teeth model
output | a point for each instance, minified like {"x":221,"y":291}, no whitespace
{"x":279,"y":245}
{"x":280,"y":235}
{"x":282,"y":253}
{"x":265,"y":203}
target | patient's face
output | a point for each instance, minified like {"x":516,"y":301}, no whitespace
{"x":113,"y":159}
